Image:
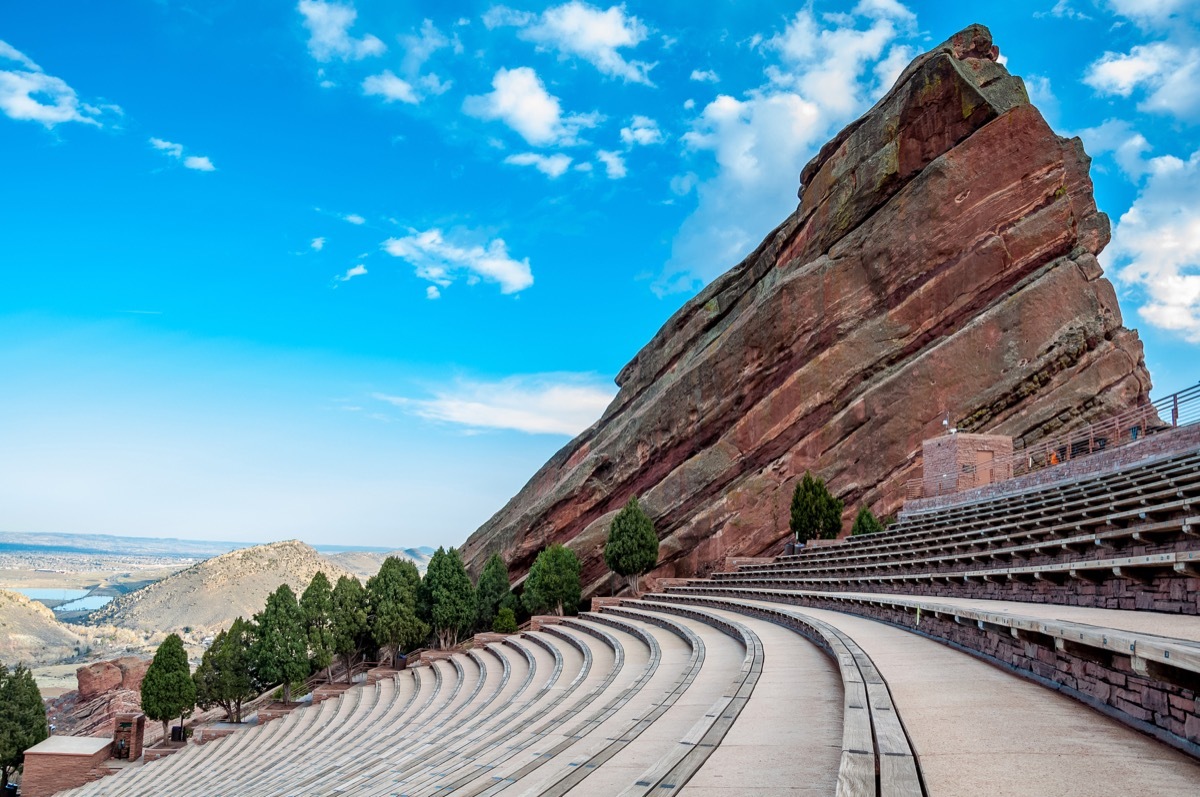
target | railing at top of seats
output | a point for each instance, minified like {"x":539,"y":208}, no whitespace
{"x":1165,"y":414}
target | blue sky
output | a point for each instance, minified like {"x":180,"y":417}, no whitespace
{"x":351,"y":272}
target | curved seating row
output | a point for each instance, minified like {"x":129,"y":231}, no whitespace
{"x":1135,"y":534}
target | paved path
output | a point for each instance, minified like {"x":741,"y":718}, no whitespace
{"x":979,"y":730}
{"x":788,"y":738}
{"x":1176,"y":626}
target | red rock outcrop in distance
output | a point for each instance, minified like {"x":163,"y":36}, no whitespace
{"x":942,"y":260}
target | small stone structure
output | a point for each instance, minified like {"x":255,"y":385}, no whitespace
{"x":64,"y":762}
{"x":128,"y":733}
{"x":955,"y":462}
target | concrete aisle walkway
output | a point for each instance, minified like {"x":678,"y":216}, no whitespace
{"x":788,"y":738}
{"x":978,"y":730}
{"x":1176,"y":626}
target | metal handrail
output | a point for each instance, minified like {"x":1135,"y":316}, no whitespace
{"x":1163,"y":415}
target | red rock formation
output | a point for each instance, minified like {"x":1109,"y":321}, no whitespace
{"x":105,"y":689}
{"x":942,"y":259}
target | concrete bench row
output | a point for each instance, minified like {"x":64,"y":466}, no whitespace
{"x":1165,"y":493}
{"x":1144,"y":678}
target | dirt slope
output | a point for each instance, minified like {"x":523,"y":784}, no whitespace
{"x":210,"y":594}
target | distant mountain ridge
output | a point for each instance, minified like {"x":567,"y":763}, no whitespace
{"x":211,"y":594}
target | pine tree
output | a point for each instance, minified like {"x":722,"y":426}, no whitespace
{"x":632,"y":547}
{"x":392,"y":595}
{"x":553,"y":582}
{"x":865,"y":522}
{"x":816,"y":513}
{"x":168,"y":690}
{"x":281,"y":646}
{"x":350,"y":625}
{"x":505,"y":622}
{"x":225,"y":676}
{"x":22,"y":718}
{"x":491,"y":591}
{"x":317,"y":604}
{"x":447,"y":598}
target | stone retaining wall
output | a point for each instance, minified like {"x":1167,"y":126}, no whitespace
{"x":1161,"y":701}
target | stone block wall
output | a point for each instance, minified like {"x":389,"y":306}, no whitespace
{"x":1157,"y":446}
{"x":49,"y":773}
{"x":955,"y":462}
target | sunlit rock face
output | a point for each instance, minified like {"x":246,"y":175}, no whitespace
{"x":942,"y":260}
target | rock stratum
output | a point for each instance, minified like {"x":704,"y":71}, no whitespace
{"x":211,"y":594}
{"x":942,"y":260}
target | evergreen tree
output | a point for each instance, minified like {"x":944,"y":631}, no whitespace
{"x":168,"y":690}
{"x":447,"y":598}
{"x":505,"y":622}
{"x":281,"y":645}
{"x":317,"y":604}
{"x":491,"y":591}
{"x":22,"y":718}
{"x":553,"y":582}
{"x":632,"y":547}
{"x":865,"y":522}
{"x":350,"y":626}
{"x":392,"y":594}
{"x":225,"y":676}
{"x":816,"y":513}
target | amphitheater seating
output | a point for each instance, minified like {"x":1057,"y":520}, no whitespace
{"x":1043,"y":642}
{"x":1132,"y":539}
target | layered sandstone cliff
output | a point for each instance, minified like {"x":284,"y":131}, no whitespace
{"x":942,"y":260}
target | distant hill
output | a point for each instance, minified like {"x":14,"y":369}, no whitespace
{"x":365,"y":564}
{"x":210,"y":594}
{"x":30,"y":633}
{"x":23,"y":542}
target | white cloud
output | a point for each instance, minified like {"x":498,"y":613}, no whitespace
{"x":169,"y":147}
{"x":1064,"y":10}
{"x":1168,"y":74}
{"x":199,"y":163}
{"x":317,"y":244}
{"x":689,"y":104}
{"x":354,"y":219}
{"x":550,"y":165}
{"x":682,"y":184}
{"x":432,"y":293}
{"x":173,"y":150}
{"x":1156,"y":245}
{"x":29,"y":94}
{"x":705,"y":76}
{"x":351,"y":273}
{"x":560,"y":404}
{"x":441,"y":261}
{"x":614,"y":164}
{"x":824,"y":72}
{"x":1155,"y":13}
{"x":414,"y":85}
{"x":641,"y":130}
{"x":329,"y":28}
{"x":582,"y":30}
{"x":1127,"y":146}
{"x":520,"y":100}
{"x":390,"y":87}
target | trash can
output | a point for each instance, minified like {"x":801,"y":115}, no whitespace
{"x":177,"y":733}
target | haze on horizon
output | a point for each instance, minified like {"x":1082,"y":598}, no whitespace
{"x":351,"y":272}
